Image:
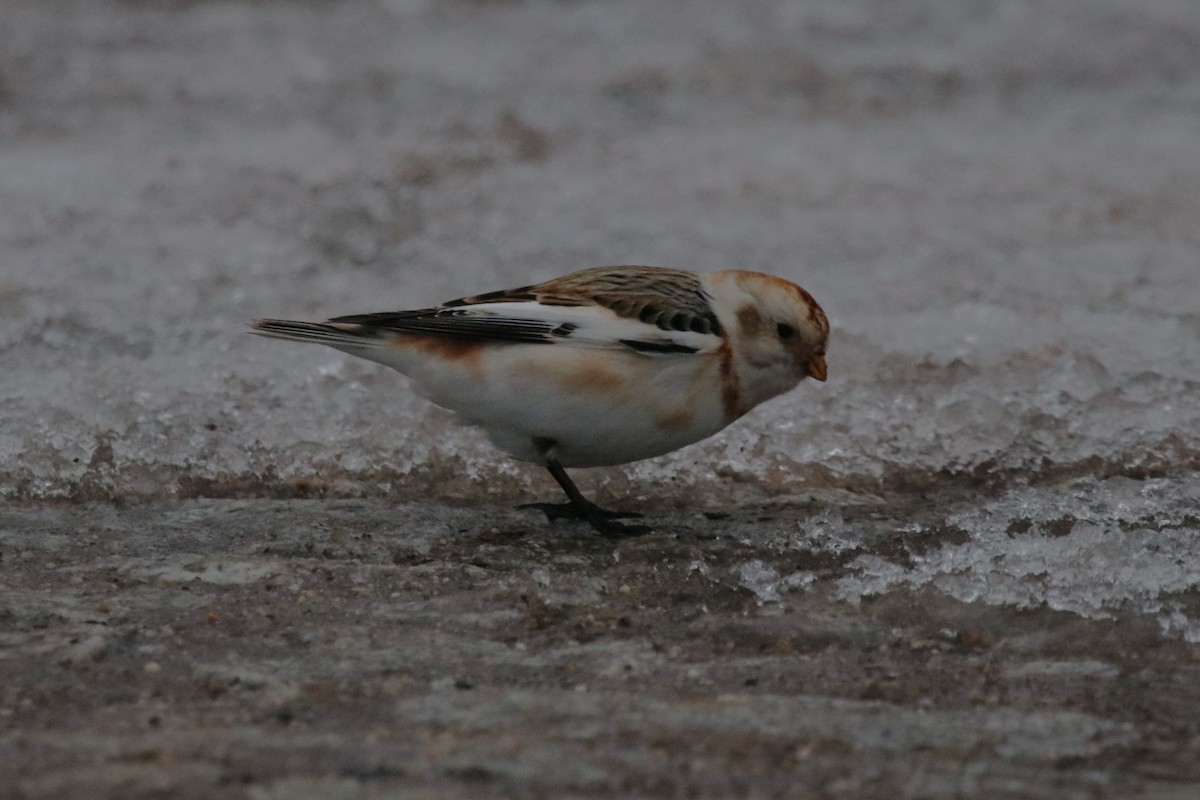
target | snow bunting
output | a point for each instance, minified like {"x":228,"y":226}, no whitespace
{"x":603,"y":366}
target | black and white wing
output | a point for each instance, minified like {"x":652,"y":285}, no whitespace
{"x":647,"y":310}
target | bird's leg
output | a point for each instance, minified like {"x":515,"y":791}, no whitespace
{"x":578,"y":506}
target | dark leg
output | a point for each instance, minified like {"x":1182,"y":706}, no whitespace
{"x":578,"y":506}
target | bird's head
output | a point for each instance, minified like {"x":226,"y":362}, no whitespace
{"x":777,"y":333}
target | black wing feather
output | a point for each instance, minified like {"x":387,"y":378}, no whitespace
{"x":671,"y":300}
{"x":459,"y":324}
{"x":658,"y":348}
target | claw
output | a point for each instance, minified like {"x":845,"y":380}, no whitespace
{"x":555,"y":511}
{"x":603,"y":520}
{"x":579,"y":506}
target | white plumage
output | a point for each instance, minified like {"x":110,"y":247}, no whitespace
{"x":603,"y":366}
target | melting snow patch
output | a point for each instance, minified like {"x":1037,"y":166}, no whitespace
{"x":1101,"y":548}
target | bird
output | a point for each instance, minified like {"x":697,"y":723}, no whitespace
{"x":603,"y":366}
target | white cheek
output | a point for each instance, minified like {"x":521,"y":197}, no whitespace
{"x":767,"y":354}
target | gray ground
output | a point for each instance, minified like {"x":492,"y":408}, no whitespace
{"x":967,"y":566}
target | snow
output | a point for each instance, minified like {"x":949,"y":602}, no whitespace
{"x":994,"y":202}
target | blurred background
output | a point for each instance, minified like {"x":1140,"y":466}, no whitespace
{"x":965,"y":566}
{"x":995,"y":201}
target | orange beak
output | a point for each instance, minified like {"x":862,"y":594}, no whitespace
{"x":816,"y":368}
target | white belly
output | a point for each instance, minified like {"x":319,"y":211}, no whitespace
{"x":600,"y":407}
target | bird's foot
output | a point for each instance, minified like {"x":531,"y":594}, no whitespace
{"x":603,"y":520}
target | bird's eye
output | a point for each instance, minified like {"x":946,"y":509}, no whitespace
{"x":785,"y":331}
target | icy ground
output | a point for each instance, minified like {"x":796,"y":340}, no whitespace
{"x":996,"y":202}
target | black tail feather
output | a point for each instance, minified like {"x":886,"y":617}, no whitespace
{"x":328,"y":333}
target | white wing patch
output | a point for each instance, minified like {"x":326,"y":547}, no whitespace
{"x":585,"y":326}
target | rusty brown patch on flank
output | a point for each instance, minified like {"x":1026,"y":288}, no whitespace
{"x":451,"y":349}
{"x":731,"y":390}
{"x":677,"y":420}
{"x":593,"y":378}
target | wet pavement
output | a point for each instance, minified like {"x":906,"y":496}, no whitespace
{"x":966,"y":566}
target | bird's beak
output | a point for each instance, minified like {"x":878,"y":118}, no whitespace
{"x":816,"y":367}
